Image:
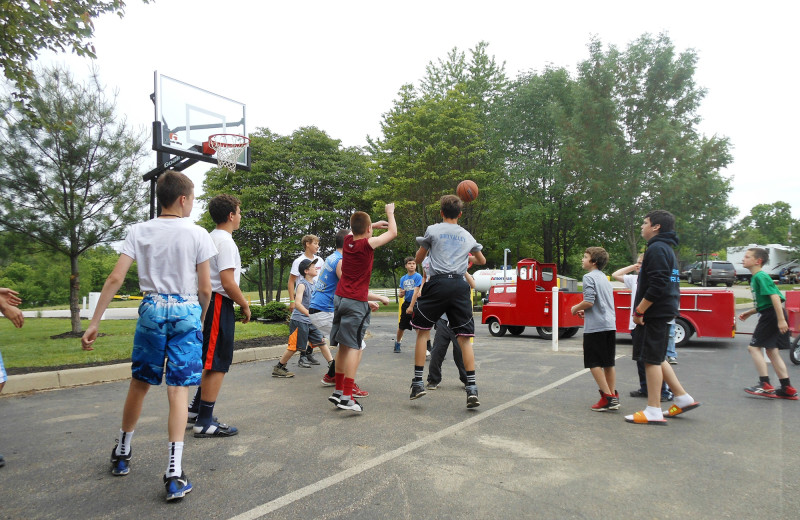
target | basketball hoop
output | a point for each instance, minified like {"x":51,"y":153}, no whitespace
{"x":228,"y":148}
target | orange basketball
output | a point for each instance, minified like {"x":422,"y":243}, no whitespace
{"x":467,"y":190}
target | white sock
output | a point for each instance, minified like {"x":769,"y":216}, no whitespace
{"x":175,"y":455}
{"x":124,"y":443}
{"x":683,"y":400}
{"x":653,"y":413}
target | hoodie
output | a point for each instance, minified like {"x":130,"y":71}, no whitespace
{"x":659,"y":280}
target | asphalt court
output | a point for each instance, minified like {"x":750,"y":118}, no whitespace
{"x":532,"y":449}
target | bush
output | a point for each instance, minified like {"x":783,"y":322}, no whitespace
{"x":273,"y":311}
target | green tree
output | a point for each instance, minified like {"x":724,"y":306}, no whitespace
{"x":69,"y":171}
{"x":28,"y":27}
{"x":768,"y":224}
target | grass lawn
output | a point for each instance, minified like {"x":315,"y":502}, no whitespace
{"x":31,"y":346}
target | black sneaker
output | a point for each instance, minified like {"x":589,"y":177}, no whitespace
{"x":304,"y":362}
{"x":351,"y":405}
{"x":2,"y":461}
{"x":120,"y":464}
{"x":417,"y":389}
{"x":311,"y":359}
{"x":335,"y":398}
{"x":472,"y":396}
{"x":431,"y":385}
{"x":177,"y":487}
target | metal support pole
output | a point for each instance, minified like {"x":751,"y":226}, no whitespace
{"x":554,"y":309}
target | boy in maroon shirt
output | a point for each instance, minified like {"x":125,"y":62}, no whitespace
{"x":351,"y":310}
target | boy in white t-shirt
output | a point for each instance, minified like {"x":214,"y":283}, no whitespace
{"x":218,"y":327}
{"x":172,"y":257}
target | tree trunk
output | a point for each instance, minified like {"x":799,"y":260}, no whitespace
{"x":74,"y":293}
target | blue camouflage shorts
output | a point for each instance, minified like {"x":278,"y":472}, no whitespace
{"x":168,"y":328}
{"x":3,"y":376}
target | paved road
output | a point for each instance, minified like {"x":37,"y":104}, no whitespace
{"x":532,"y":450}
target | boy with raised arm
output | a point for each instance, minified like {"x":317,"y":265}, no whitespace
{"x":452,"y":248}
{"x":352,"y":311}
{"x":172,"y":257}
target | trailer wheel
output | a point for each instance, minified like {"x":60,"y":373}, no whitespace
{"x":571,"y":331}
{"x":516,"y":330}
{"x":495,"y":329}
{"x":794,"y":352}
{"x":683,"y":331}
{"x":547,"y":332}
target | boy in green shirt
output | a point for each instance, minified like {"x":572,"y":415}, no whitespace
{"x":772,"y":330}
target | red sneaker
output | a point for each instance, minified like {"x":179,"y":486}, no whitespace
{"x":357,"y":392}
{"x":786,"y":392}
{"x":328,"y":380}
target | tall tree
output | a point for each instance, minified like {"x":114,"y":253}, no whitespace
{"x":770,"y":223}
{"x":28,"y":27}
{"x":69,"y":171}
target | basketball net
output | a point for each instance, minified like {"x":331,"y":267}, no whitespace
{"x":228,"y":148}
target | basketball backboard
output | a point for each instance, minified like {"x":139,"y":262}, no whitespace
{"x":185,"y":117}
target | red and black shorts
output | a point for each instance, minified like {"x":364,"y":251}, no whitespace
{"x":218,"y":334}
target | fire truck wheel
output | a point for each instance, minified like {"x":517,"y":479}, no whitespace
{"x":495,"y":329}
{"x":516,"y":330}
{"x":794,"y":352}
{"x":570,"y":332}
{"x":683,"y":331}
{"x":547,"y":332}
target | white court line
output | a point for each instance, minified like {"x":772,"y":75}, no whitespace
{"x":310,"y":489}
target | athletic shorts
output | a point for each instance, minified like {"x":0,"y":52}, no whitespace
{"x":168,"y":328}
{"x":650,"y":341}
{"x":445,"y":294}
{"x":599,"y":349}
{"x":767,"y":334}
{"x":322,"y":321}
{"x":218,"y":334}
{"x":405,"y":318}
{"x":300,"y":334}
{"x":350,"y":322}
{"x":3,"y":375}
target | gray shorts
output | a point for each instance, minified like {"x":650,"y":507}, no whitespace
{"x":323,"y":321}
{"x":350,"y":322}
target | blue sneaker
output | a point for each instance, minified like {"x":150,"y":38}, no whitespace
{"x":215,"y":429}
{"x":120,"y":464}
{"x":177,"y":487}
{"x":396,"y":347}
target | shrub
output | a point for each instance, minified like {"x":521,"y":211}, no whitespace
{"x":275,"y":311}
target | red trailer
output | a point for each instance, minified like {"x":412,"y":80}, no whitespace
{"x":528,"y":303}
{"x":793,"y":310}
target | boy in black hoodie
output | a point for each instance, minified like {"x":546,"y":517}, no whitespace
{"x":656,"y":304}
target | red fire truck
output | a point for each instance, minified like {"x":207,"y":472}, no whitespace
{"x":528,"y":303}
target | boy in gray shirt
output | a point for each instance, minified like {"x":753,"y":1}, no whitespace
{"x":599,"y":329}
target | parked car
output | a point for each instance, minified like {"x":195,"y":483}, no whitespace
{"x":715,"y":271}
{"x":684,"y":275}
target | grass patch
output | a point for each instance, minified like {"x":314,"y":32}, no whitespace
{"x":31,"y":345}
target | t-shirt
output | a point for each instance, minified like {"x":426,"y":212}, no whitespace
{"x":597,"y":290}
{"x":357,"y":258}
{"x":306,"y":301}
{"x":327,"y":281}
{"x":408,"y":283}
{"x":295,"y":270}
{"x":227,"y":258}
{"x":167,"y":252}
{"x":630,"y":281}
{"x":450,"y":246}
{"x":762,"y":287}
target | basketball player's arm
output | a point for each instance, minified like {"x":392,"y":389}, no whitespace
{"x":478,"y":258}
{"x":233,"y":291}
{"x":641,"y":309}
{"x":203,"y":288}
{"x":9,"y":300}
{"x":110,"y":288}
{"x":391,"y":232}
{"x":420,"y":256}
{"x":776,"y":304}
{"x":292,"y":296}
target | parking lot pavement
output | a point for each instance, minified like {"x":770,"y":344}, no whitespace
{"x":533,"y":449}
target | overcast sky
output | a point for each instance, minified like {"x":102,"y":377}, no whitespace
{"x":339,"y":65}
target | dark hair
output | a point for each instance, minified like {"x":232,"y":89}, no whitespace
{"x":760,"y":254}
{"x":598,"y":256}
{"x":451,"y":206}
{"x":663,"y":218}
{"x":360,"y":222}
{"x":221,"y":206}
{"x":171,"y":185}
{"x":339,"y":240}
{"x":409,"y":259}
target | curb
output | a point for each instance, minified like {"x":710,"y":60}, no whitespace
{"x":56,"y":380}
